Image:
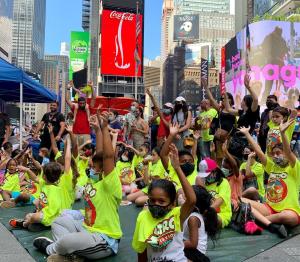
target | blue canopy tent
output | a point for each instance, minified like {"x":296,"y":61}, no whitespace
{"x":17,"y":86}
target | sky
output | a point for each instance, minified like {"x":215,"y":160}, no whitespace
{"x":65,"y":16}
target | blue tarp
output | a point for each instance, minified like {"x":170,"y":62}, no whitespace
{"x":10,"y":79}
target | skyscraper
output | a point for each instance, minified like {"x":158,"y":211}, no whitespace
{"x":5,"y":29}
{"x":28,"y":34}
{"x":195,"y":6}
{"x":64,"y":49}
{"x":166,"y":37}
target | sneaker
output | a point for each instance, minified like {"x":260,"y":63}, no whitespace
{"x":41,"y":243}
{"x":60,"y":258}
{"x":16,"y":223}
{"x":7,"y":204}
{"x":280,"y":230}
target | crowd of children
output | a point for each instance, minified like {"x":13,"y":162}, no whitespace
{"x":193,"y":184}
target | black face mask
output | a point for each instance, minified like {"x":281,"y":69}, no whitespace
{"x":271,"y":105}
{"x":187,"y":168}
{"x":178,"y":106}
{"x":158,"y":211}
{"x":245,"y":156}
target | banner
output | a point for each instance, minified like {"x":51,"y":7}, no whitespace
{"x":186,"y":28}
{"x":274,"y":60}
{"x":222,"y":74}
{"x":79,"y":51}
{"x":119,"y":43}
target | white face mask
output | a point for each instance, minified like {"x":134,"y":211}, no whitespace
{"x":124,"y":158}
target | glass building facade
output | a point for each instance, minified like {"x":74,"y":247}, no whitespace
{"x":28,"y":34}
{"x":5,"y":29}
{"x":195,"y":6}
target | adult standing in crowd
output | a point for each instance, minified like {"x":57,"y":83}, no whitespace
{"x":264,"y":120}
{"x":154,"y":124}
{"x":183,"y":117}
{"x":57,"y":120}
{"x":81,"y":112}
{"x":5,"y":131}
{"x":139,"y":129}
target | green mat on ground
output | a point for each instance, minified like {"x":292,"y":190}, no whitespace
{"x":231,"y":246}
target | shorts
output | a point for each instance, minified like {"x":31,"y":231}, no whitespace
{"x":14,"y":195}
{"x":273,"y":212}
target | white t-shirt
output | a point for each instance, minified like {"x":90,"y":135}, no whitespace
{"x":202,"y":235}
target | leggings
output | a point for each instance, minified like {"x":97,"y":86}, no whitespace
{"x":71,"y":238}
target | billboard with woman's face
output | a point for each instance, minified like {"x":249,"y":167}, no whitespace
{"x":274,"y":59}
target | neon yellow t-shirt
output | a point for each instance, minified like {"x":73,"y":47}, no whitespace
{"x":138,"y":165}
{"x":86,"y":92}
{"x":274,"y":136}
{"x":66,"y":184}
{"x":156,"y":171}
{"x":205,"y":119}
{"x":50,"y":203}
{"x":11,"y":183}
{"x":157,"y":234}
{"x":102,"y":200}
{"x":282,"y":191}
{"x":222,"y":191}
{"x":39,"y":185}
{"x":258,"y":170}
{"x":82,"y":165}
{"x":126,"y":172}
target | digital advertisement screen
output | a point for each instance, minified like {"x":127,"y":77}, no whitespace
{"x":274,"y":59}
{"x":186,"y":27}
{"x":119,"y":43}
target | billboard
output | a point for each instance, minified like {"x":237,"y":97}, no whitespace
{"x":79,"y":51}
{"x":193,"y":53}
{"x":274,"y":60}
{"x":124,"y":5}
{"x":120,"y":43}
{"x":186,"y":27}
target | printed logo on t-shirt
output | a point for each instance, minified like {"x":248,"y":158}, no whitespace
{"x":43,"y":201}
{"x":276,"y":187}
{"x":90,"y":210}
{"x":163,"y":234}
{"x":29,"y":188}
{"x":126,"y":174}
{"x":274,"y":139}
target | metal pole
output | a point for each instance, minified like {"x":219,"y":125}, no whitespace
{"x":21,"y":115}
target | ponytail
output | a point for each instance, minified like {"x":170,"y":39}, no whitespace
{"x":211,"y":223}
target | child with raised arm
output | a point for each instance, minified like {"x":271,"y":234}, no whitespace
{"x":158,"y":233}
{"x":282,"y":192}
{"x":97,"y":234}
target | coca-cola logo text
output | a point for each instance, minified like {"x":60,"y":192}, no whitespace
{"x":122,"y":16}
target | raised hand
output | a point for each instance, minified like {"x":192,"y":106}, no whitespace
{"x":174,"y":129}
{"x":244,"y":130}
{"x":23,"y":168}
{"x":247,"y":79}
{"x":252,"y":155}
{"x":284,"y":126}
{"x":69,"y":129}
{"x":104,"y":119}
{"x":173,"y":155}
{"x":94,"y":122}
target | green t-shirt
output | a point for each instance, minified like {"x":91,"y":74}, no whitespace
{"x":11,"y":183}
{"x":102,"y":200}
{"x":282,"y":192}
{"x":222,"y":191}
{"x":258,"y":170}
{"x":205,"y":119}
{"x":86,"y":92}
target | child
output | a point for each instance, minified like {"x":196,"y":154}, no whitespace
{"x":282,"y":191}
{"x":278,"y":115}
{"x":48,"y":206}
{"x":157,"y":235}
{"x":253,"y":176}
{"x":200,"y":225}
{"x":44,"y":154}
{"x":98,"y":234}
{"x":219,"y":189}
{"x":154,"y":170}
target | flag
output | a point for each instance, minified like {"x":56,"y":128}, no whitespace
{"x":137,"y":48}
{"x":248,"y":47}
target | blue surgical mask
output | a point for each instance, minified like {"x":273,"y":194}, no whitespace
{"x":225,"y":171}
{"x":93,"y":176}
{"x":132,"y":108}
{"x":167,"y":111}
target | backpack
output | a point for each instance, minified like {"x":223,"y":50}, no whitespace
{"x":243,"y":221}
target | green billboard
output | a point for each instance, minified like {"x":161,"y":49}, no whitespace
{"x":79,"y":51}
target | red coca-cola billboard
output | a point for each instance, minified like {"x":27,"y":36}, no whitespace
{"x":119,"y":42}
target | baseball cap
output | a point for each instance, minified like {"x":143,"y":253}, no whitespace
{"x":180,"y":99}
{"x":170,"y":105}
{"x":206,"y":166}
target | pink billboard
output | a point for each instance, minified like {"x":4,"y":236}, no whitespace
{"x":274,"y":59}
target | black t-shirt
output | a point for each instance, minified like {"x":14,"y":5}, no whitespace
{"x":55,"y":119}
{"x":4,"y":121}
{"x":248,"y":119}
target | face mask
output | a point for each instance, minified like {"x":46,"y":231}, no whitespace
{"x":187,"y":168}
{"x":245,"y":156}
{"x":280,"y":161}
{"x":271,"y":105}
{"x":197,"y":113}
{"x":225,"y":171}
{"x":132,"y":108}
{"x":93,"y":175}
{"x":88,"y":152}
{"x":210,"y":179}
{"x":124,"y":158}
{"x":178,"y":106}
{"x":167,"y":111}
{"x":111,"y":118}
{"x":158,"y":211}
